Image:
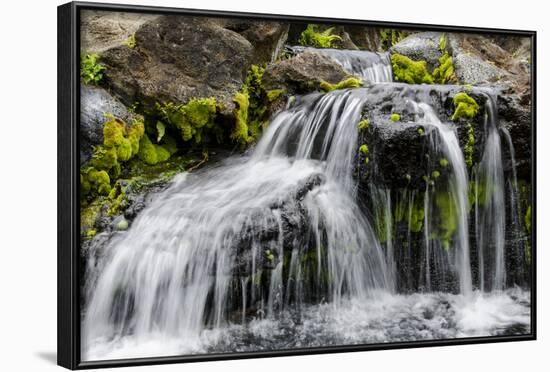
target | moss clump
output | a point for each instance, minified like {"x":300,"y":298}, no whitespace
{"x":416,"y":216}
{"x":363,"y":124}
{"x":408,"y":71}
{"x":131,"y":41}
{"x":465,"y":107}
{"x":90,"y":70}
{"x":395,"y":117}
{"x":94,"y":182}
{"x":151,"y":153}
{"x":351,"y":82}
{"x":443,"y":162}
{"x":192,"y":119}
{"x":478,"y":192}
{"x":364,"y":150}
{"x":311,"y":37}
{"x":435,"y":174}
{"x":273,"y":94}
{"x":445,"y":72}
{"x":420,"y":131}
{"x":469,"y":148}
{"x":240,"y":131}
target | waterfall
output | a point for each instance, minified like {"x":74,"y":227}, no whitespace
{"x":173,"y":271}
{"x":490,"y":191}
{"x":444,"y":140}
{"x":372,"y":67}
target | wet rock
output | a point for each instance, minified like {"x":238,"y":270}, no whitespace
{"x":303,"y":73}
{"x":95,"y":103}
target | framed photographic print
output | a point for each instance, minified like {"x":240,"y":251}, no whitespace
{"x":236,"y":185}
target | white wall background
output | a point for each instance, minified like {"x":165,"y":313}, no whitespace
{"x":28,"y":184}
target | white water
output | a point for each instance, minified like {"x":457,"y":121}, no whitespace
{"x":492,"y":208}
{"x":183,"y":279}
{"x":370,"y":66}
{"x":446,"y":142}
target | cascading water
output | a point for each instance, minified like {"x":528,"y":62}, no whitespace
{"x":274,"y":250}
{"x":370,"y":66}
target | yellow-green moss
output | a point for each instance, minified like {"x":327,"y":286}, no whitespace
{"x":443,"y":162}
{"x":192,"y":118}
{"x":435,"y":174}
{"x":447,"y":218}
{"x":240,"y":131}
{"x":351,"y":82}
{"x":408,"y":71}
{"x":445,"y":72}
{"x":420,"y":131}
{"x":465,"y":107}
{"x":416,"y":216}
{"x":311,"y":37}
{"x":91,"y":71}
{"x":151,"y":153}
{"x":363,"y":124}
{"x":395,"y":117}
{"x":131,"y":41}
{"x":273,"y":94}
{"x":94,"y":182}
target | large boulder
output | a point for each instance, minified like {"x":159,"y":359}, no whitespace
{"x":95,"y":102}
{"x":303,"y":73}
{"x":104,"y":30}
{"x":176,"y":59}
{"x":267,"y":38}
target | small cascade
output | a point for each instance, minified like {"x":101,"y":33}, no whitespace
{"x":370,"y":66}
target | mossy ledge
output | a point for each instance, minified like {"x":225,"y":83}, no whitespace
{"x":349,"y":83}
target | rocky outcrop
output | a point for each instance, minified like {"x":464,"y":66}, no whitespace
{"x":102,"y":30}
{"x":421,"y":46}
{"x":95,"y":102}
{"x":303,"y":73}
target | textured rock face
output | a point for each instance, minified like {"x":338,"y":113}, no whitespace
{"x":104,"y":30}
{"x":420,"y":46}
{"x":267,"y":38}
{"x":95,"y":103}
{"x":303,"y":73}
{"x":175,"y":60}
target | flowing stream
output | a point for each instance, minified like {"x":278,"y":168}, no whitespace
{"x":271,"y":250}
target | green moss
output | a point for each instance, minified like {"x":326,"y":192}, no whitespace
{"x":151,"y":153}
{"x":435,"y":174}
{"x":131,"y":41}
{"x":445,"y":72}
{"x":416,"y":216}
{"x":443,"y":43}
{"x":91,"y":71}
{"x":94,"y":182}
{"x":364,"y":149}
{"x":395,"y":117}
{"x":91,"y":233}
{"x":408,"y":71}
{"x":447,"y":218}
{"x":420,"y":131}
{"x":192,"y":119}
{"x":273,"y":94}
{"x":351,"y":82}
{"x":363,"y":124}
{"x":240,"y":131}
{"x":311,"y":37}
{"x":465,"y":107}
{"x":443,"y":162}
{"x":469,"y":148}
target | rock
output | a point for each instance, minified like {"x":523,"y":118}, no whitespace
{"x":365,"y":38}
{"x":104,"y":30}
{"x":95,"y":103}
{"x":421,"y":46}
{"x":175,"y":60}
{"x":303,"y":73}
{"x":267,"y":38}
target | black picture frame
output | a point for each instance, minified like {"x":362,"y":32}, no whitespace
{"x":68,"y":93}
